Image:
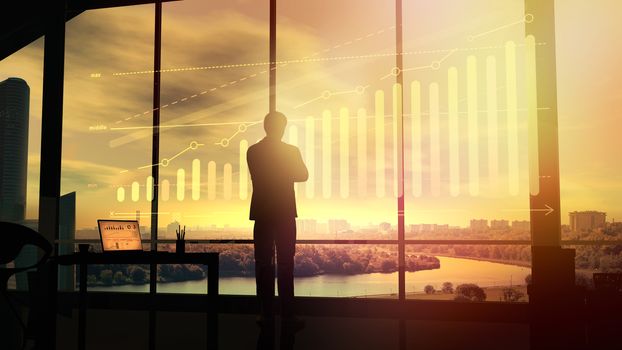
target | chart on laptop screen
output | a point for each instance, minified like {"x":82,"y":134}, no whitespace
{"x":119,"y":235}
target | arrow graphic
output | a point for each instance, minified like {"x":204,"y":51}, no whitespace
{"x":547,"y":210}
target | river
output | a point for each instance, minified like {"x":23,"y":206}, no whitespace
{"x":454,"y":270}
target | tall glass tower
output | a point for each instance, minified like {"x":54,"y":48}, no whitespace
{"x":14,"y":111}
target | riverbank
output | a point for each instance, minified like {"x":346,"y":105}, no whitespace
{"x":520,"y":263}
{"x":454,"y":270}
{"x":494,"y":293}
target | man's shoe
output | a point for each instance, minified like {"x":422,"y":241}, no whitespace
{"x":293,"y":323}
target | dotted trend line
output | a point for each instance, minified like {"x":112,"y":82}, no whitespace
{"x":181,"y":100}
{"x":318,"y":59}
{"x":528,"y":18}
{"x":326,"y":94}
{"x":435,"y":65}
{"x":247,"y":77}
{"x":242,"y":127}
{"x":166,"y":161}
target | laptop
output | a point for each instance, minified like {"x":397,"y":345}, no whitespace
{"x":120,"y":235}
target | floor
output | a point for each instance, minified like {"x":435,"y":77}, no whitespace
{"x":120,"y":330}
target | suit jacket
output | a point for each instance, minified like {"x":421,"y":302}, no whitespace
{"x":274,"y":167}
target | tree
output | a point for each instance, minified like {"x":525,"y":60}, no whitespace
{"x":429,"y":289}
{"x":119,"y":278}
{"x":106,"y":277}
{"x":471,"y":291}
{"x":512,"y":295}
{"x":305,"y":267}
{"x":138,"y":275}
{"x":388,"y":265}
{"x":91,"y":280}
{"x":448,"y":287}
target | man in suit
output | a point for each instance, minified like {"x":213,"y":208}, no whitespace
{"x":274,"y":167}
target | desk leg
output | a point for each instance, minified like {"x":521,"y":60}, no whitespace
{"x":153,"y":275}
{"x":46,"y":327}
{"x":82,"y":311}
{"x":212,"y":304}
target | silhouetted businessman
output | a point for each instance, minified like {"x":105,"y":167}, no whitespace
{"x":274,"y":167}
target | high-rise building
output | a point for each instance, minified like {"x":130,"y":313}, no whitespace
{"x":521,"y":225}
{"x":66,"y":232}
{"x":499,"y":224}
{"x":337,"y":225}
{"x":586,"y":220}
{"x":14,"y":110}
{"x":479,"y":224}
{"x":306,"y":226}
{"x":384,"y":227}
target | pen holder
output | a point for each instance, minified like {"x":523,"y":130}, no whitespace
{"x":180,"y":246}
{"x":180,"y":243}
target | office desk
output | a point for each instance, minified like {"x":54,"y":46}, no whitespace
{"x":83,"y":259}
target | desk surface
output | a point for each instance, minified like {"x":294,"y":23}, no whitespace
{"x":146,"y":257}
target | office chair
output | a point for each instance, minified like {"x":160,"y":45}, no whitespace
{"x":14,"y":238}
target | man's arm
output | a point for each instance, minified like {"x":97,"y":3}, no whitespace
{"x":299,"y":169}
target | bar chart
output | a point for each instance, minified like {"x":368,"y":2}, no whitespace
{"x":464,"y":136}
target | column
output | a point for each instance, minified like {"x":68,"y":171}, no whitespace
{"x":473,"y":124}
{"x":181,"y":184}
{"x":511,"y":96}
{"x":211,"y":180}
{"x":243,"y":170}
{"x":149,"y":188}
{"x":326,"y":154}
{"x":454,"y":135}
{"x":380,"y":145}
{"x":310,"y":155}
{"x":135,"y":191}
{"x":532,"y":114}
{"x":492,"y":116}
{"x":344,"y":152}
{"x":435,"y":149}
{"x":226,"y":183}
{"x":196,"y":179}
{"x":165,"y":188}
{"x":361,"y":159}
{"x":415,"y":129}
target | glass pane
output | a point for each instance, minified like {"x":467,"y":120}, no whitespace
{"x":21,"y":87}
{"x":586,"y":86}
{"x":466,"y":120}
{"x":101,"y":97}
{"x":320,"y":270}
{"x":346,"y":271}
{"x":592,"y":258}
{"x":469,"y":272}
{"x":332,"y":58}
{"x":103,"y":93}
{"x":214,"y":90}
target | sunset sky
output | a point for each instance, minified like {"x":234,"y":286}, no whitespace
{"x":336,"y":54}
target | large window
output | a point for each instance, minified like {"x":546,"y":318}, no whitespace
{"x":104,"y":93}
{"x":469,"y":161}
{"x":589,"y":103}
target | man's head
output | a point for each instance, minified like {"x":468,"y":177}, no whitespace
{"x":274,"y":124}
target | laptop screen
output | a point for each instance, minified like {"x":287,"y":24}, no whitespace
{"x":119,"y":235}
